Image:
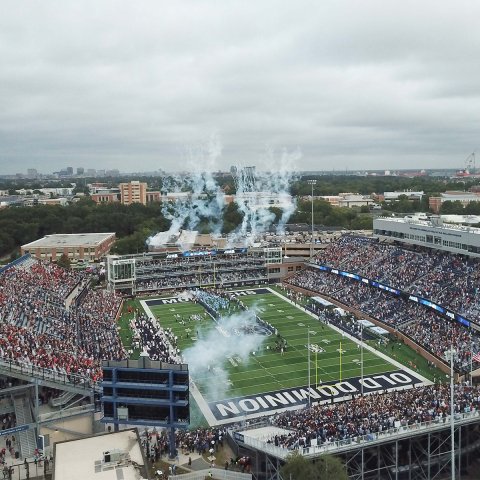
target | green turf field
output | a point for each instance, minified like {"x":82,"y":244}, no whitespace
{"x":268,"y":370}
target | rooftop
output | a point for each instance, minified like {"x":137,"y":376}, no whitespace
{"x":428,"y":223}
{"x":108,"y":456}
{"x":70,"y":240}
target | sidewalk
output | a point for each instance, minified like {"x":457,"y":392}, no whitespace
{"x":197,"y":463}
{"x":18,"y":464}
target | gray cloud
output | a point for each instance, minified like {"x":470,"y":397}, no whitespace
{"x":122,"y":84}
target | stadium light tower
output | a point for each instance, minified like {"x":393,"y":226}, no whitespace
{"x":308,"y":350}
{"x":312,"y":183}
{"x":361,"y":356}
{"x":450,"y":355}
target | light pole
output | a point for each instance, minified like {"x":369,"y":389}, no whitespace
{"x":450,"y":355}
{"x":361,"y":356}
{"x":312,"y":183}
{"x":308,"y":348}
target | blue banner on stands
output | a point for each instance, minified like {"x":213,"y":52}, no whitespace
{"x":20,"y":428}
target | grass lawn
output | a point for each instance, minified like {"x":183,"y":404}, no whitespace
{"x":406,"y":356}
{"x":268,"y":370}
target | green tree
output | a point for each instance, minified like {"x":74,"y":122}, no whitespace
{"x":7,"y":243}
{"x":64,"y":262}
{"x":135,"y":243}
{"x":452,"y":208}
{"x":473,"y":208}
{"x":403,"y":205}
{"x":232,"y":217}
{"x":277,"y":212}
{"x":326,"y":467}
{"x":15,"y":254}
{"x":364,"y":222}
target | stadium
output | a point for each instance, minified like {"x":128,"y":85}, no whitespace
{"x":349,"y":352}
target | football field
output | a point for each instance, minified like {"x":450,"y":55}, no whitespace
{"x":298,"y":359}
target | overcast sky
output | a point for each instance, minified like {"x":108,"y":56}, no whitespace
{"x":131,"y":85}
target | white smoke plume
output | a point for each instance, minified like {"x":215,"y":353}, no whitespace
{"x":203,"y":200}
{"x":270,"y":189}
{"x":207,"y":359}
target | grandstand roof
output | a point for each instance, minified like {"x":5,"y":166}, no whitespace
{"x":70,"y":240}
{"x":428,"y":223}
{"x":85,"y":458}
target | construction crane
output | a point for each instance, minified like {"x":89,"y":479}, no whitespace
{"x":469,"y":168}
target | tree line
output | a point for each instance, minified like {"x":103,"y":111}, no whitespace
{"x":133,"y":224}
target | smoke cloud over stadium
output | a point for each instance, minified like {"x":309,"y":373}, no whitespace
{"x":262,"y":198}
{"x":258,"y":192}
{"x":227,"y":342}
{"x":203,"y":200}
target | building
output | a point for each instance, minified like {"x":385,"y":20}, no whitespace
{"x":133,"y":192}
{"x":81,"y":246}
{"x":431,"y":233}
{"x":350,"y":200}
{"x":333,"y":200}
{"x":347,"y":200}
{"x":80,"y":170}
{"x":392,"y":196}
{"x":147,"y":393}
{"x":52,"y":201}
{"x":259,"y":200}
{"x":102,"y":193}
{"x":47,"y":191}
{"x":104,"y":197}
{"x":435,"y":203}
{"x":154,"y":197}
{"x":113,"y":456}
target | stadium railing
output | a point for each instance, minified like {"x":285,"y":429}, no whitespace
{"x":61,"y":414}
{"x":359,"y":441}
{"x":18,"y":261}
{"x":47,"y":374}
{"x":216,"y":473}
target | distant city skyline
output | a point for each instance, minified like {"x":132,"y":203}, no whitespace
{"x":100,"y":172}
{"x":139,"y":86}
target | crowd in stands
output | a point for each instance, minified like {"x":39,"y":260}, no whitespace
{"x":190,"y":272}
{"x":426,"y":327}
{"x":438,"y":334}
{"x":450,"y":280}
{"x":42,"y":324}
{"x":158,"y":343}
{"x":372,"y":414}
{"x":97,"y":328}
{"x":195,"y":263}
{"x":180,"y":280}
